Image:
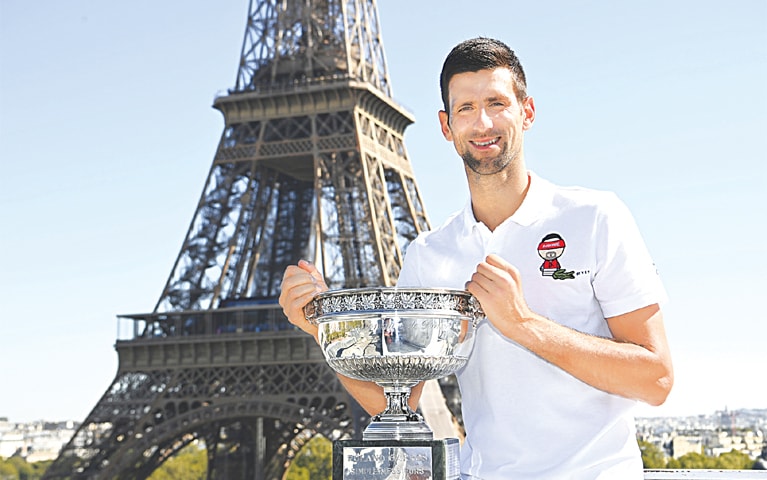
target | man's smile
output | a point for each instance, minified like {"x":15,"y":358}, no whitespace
{"x":485,"y":143}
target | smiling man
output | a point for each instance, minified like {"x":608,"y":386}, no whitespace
{"x":566,"y":351}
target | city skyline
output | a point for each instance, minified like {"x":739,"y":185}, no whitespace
{"x":107,"y":134}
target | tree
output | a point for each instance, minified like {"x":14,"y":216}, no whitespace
{"x":40,"y":467}
{"x":652,"y":457}
{"x":734,"y":460}
{"x":23,"y":469}
{"x":7,"y":471}
{"x":673,"y":464}
{"x":694,"y":460}
{"x":189,"y":463}
{"x":314,"y":461}
{"x":17,"y":468}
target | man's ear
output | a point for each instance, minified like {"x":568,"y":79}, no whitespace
{"x":528,"y":109}
{"x":444,"y":124}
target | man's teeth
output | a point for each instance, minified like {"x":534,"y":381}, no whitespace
{"x":484,"y":144}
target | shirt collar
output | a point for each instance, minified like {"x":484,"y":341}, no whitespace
{"x":538,"y":198}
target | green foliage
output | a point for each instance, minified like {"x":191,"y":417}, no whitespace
{"x":39,"y":468}
{"x":16,"y":468}
{"x":7,"y":471}
{"x":24,"y":471}
{"x":695,"y":460}
{"x":313,"y":462}
{"x":190,"y":463}
{"x":734,"y":460}
{"x":652,"y":457}
{"x":298,"y":473}
{"x":673,"y":464}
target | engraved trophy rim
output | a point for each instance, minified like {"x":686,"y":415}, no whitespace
{"x":386,"y":299}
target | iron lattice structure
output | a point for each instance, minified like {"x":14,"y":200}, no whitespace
{"x":311,"y":164}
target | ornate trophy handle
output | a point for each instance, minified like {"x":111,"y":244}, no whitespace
{"x":310,"y":311}
{"x":476,"y":310}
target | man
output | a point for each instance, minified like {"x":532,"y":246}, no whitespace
{"x":566,"y":350}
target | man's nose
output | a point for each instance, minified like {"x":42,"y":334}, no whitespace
{"x":483,"y":120}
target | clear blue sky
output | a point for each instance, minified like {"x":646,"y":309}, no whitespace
{"x":107,"y":134}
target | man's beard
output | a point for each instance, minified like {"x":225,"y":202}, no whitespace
{"x":488,"y":167}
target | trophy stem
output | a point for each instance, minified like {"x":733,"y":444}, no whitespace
{"x":398,"y":421}
{"x":397,"y":406}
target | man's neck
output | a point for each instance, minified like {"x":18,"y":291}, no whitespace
{"x":495,"y":198}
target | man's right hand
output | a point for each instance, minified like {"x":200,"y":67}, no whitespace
{"x":300,"y":284}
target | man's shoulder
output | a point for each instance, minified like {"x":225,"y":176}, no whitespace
{"x":579,"y":195}
{"x":598,"y":202}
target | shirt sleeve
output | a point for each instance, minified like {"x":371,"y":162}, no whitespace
{"x":626,"y":277}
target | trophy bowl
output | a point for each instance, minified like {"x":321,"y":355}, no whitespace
{"x":395,"y":337}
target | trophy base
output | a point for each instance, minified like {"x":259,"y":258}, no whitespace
{"x":384,"y":428}
{"x":396,"y":459}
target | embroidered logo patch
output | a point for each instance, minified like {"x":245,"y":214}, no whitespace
{"x":552,"y":247}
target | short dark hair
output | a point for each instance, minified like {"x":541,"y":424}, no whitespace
{"x":478,"y":54}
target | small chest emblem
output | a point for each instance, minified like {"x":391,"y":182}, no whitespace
{"x":550,"y":249}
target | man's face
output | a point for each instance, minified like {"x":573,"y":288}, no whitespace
{"x":486,"y":120}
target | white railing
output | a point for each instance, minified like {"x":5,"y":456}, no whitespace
{"x":705,"y":474}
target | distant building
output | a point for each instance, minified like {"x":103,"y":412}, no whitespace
{"x":683,"y":444}
{"x":748,"y":442}
{"x":34,"y":441}
{"x":712,"y":435}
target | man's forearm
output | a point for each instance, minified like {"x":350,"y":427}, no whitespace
{"x":638,"y":367}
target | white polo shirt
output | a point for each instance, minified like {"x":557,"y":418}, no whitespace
{"x":582,"y":259}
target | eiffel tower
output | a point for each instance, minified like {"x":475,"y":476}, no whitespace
{"x":311,"y":164}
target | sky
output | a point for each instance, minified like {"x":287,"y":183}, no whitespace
{"x":107,"y":135}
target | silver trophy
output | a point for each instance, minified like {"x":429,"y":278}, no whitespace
{"x":396,"y":337}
